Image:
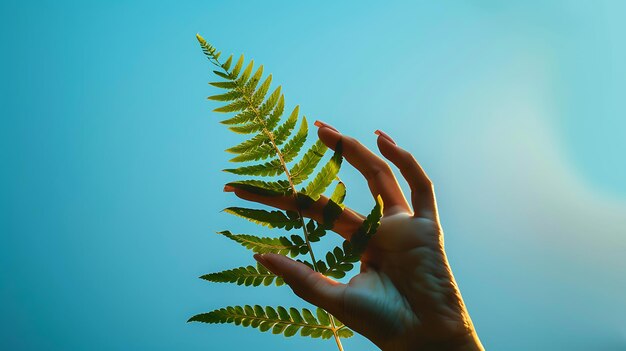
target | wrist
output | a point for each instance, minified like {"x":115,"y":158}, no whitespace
{"x":467,"y":342}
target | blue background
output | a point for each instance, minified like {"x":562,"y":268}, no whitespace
{"x":111,"y":188}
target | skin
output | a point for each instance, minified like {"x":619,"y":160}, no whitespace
{"x":405,"y":297}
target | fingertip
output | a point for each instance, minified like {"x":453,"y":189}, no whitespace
{"x":384,"y":136}
{"x":329,"y":137}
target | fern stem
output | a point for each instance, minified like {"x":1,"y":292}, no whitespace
{"x":270,"y":135}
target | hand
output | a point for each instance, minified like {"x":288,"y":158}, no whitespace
{"x":405,"y":297}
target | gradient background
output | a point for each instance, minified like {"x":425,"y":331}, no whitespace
{"x":111,"y":188}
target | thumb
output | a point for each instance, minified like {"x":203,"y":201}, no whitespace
{"x":308,"y":284}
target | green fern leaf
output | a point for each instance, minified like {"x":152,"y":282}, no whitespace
{"x":235,"y":72}
{"x":270,"y":168}
{"x":303,"y":168}
{"x":247,"y":128}
{"x":278,"y":320}
{"x":293,"y":246}
{"x":252,"y":83}
{"x":368,"y":228}
{"x":277,"y":112}
{"x":259,"y":95}
{"x":339,"y":194}
{"x":291,"y":149}
{"x":316,"y":230}
{"x":235,"y":106}
{"x":284,"y":130}
{"x":246,"y":276}
{"x":224,"y":85}
{"x":249,"y":144}
{"x":227,"y":63}
{"x":325,"y":176}
{"x":246,"y":116}
{"x":260,"y":187}
{"x":231,"y":95}
{"x":241,"y":81}
{"x":271,"y":219}
{"x":222,"y":74}
{"x":261,"y":152}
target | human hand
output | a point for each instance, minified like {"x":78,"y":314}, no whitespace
{"x":405,"y":297}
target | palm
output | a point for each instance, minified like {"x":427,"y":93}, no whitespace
{"x":405,"y":288}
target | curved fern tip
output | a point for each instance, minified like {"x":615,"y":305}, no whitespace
{"x":200,"y":38}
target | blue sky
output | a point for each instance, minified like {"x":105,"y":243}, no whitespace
{"x":111,"y":188}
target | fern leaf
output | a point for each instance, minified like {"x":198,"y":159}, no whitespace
{"x":247,"y":128}
{"x":234,"y":106}
{"x":249,"y":144}
{"x":251,"y":85}
{"x":246,"y":276}
{"x":227,"y":63}
{"x":242,"y":117}
{"x":291,"y":149}
{"x":339,"y":194}
{"x":260,"y":187}
{"x":224,"y":85}
{"x":270,"y":219}
{"x":368,"y":228}
{"x":339,"y":261}
{"x":277,"y":111}
{"x":259,"y":95}
{"x":231,"y":95}
{"x":278,"y":320}
{"x":235,"y":72}
{"x":246,"y":74}
{"x":303,"y":168}
{"x":284,"y":130}
{"x":283,"y":245}
{"x":316,"y":231}
{"x":325,"y":176}
{"x":270,"y":168}
{"x":222,"y":74}
{"x":261,"y":152}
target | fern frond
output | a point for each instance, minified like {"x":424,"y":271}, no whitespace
{"x":303,"y":168}
{"x":227,"y":63}
{"x":279,"y":320}
{"x":252,"y":83}
{"x":325,"y":176}
{"x":316,"y":230}
{"x":249,"y":144}
{"x":224,"y":85}
{"x":368,"y":228}
{"x":279,"y":108}
{"x":281,"y":245}
{"x":259,"y":95}
{"x":284,"y":130}
{"x":246,"y":116}
{"x":339,"y":194}
{"x":247,"y":128}
{"x":271,"y":168}
{"x":246,"y":276}
{"x":291,"y":149}
{"x":260,"y":187}
{"x":235,"y":106}
{"x":271,"y":219}
{"x":231,"y":95}
{"x":339,"y":261}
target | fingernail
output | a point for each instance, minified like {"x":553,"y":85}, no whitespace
{"x":259,"y":258}
{"x":228,"y":188}
{"x":384,"y":135}
{"x":321,"y":124}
